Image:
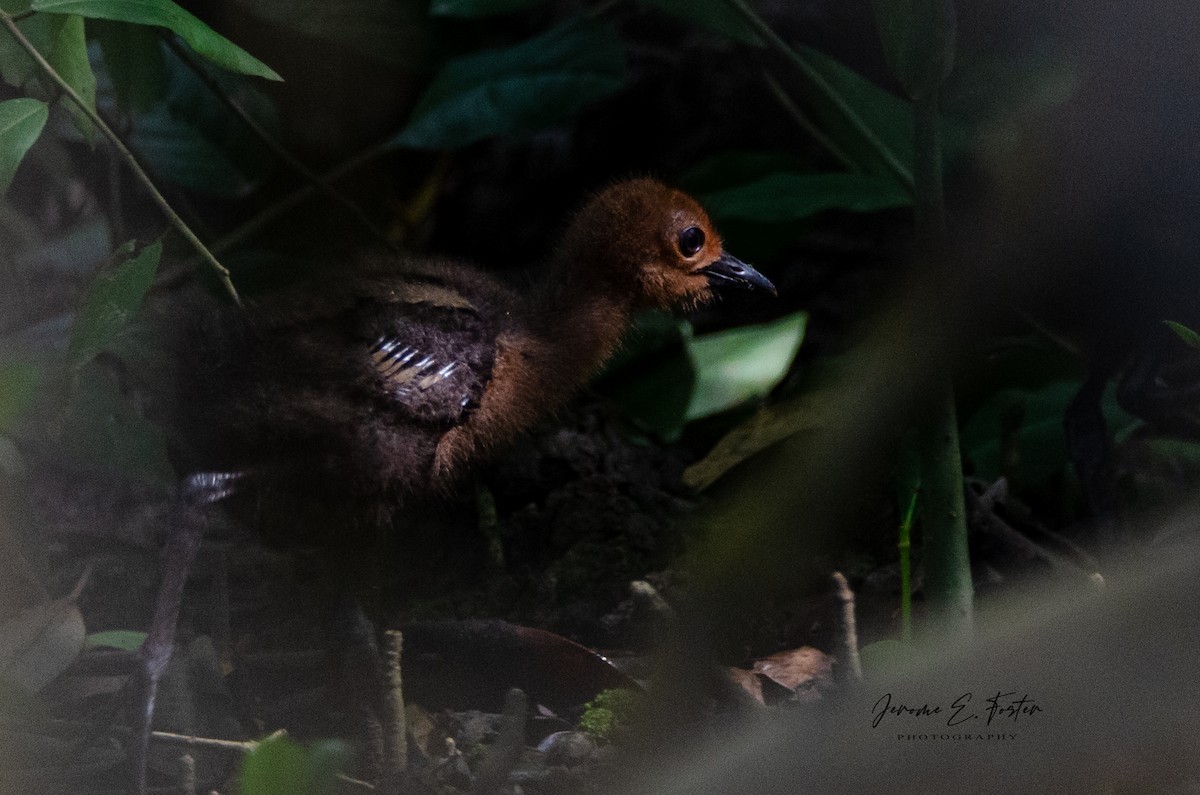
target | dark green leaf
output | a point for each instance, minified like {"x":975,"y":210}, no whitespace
{"x":21,"y":122}
{"x":523,"y":88}
{"x":110,"y":303}
{"x":1040,"y":441}
{"x":881,"y":143}
{"x":18,"y":384}
{"x":393,"y":32}
{"x":732,"y":169}
{"x":166,"y":14}
{"x":791,"y":197}
{"x":479,"y":8}
{"x":126,"y":639}
{"x":134,"y":59}
{"x":715,"y":15}
{"x":918,"y":39}
{"x":1186,"y":334}
{"x":651,"y":378}
{"x":191,"y":139}
{"x":741,"y":364}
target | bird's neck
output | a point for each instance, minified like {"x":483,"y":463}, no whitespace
{"x":579,"y":323}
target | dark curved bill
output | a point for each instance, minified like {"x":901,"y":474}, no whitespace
{"x":729,"y":271}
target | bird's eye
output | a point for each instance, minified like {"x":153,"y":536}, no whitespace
{"x":691,"y":240}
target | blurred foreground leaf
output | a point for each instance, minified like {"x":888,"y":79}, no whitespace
{"x":126,"y":639}
{"x":40,"y":643}
{"x":280,"y":766}
{"x":18,"y":385}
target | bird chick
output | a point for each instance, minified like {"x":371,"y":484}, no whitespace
{"x":325,"y":408}
{"x":396,"y":381}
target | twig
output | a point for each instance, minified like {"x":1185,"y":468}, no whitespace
{"x":271,"y":143}
{"x":130,"y":158}
{"x":849,"y":625}
{"x":187,"y":775}
{"x":298,"y":197}
{"x":396,"y":740}
{"x":234,"y":746}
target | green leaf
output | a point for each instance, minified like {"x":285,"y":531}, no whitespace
{"x":59,"y":39}
{"x":110,"y":303}
{"x":732,"y":169}
{"x":134,"y":59}
{"x":16,"y":67}
{"x":715,"y":15}
{"x":392,"y":32}
{"x":742,"y":364}
{"x":791,"y":197}
{"x":473,"y":9}
{"x":19,"y":382}
{"x":126,"y":639}
{"x":918,"y":40}
{"x":884,"y":121}
{"x":164,"y":13}
{"x":1186,"y":334}
{"x":69,"y":58}
{"x":21,"y":122}
{"x":280,"y":766}
{"x":523,"y":88}
{"x":191,"y":139}
{"x":1040,"y":440}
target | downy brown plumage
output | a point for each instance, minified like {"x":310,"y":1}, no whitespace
{"x":395,"y":381}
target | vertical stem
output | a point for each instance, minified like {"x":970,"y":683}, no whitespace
{"x":905,"y":547}
{"x":945,"y":555}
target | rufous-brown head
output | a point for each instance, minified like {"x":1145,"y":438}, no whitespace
{"x":656,"y":245}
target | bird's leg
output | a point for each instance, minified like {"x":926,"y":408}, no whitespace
{"x":183,"y":540}
{"x":358,"y":686}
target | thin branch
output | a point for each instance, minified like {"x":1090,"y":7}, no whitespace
{"x":130,"y":158}
{"x":275,"y":146}
{"x":298,"y":197}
